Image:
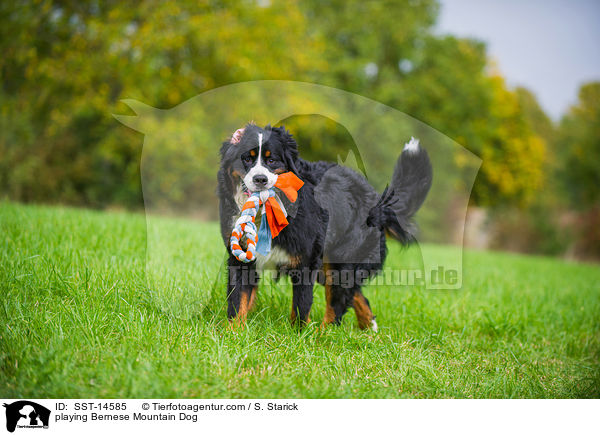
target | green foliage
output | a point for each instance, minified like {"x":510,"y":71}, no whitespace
{"x":536,"y":228}
{"x":474,"y":107}
{"x":535,"y":116}
{"x":579,"y":146}
{"x":83,"y":317}
{"x":66,"y":66}
{"x":562,"y":216}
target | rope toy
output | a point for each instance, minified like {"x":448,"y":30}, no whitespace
{"x":274,"y":218}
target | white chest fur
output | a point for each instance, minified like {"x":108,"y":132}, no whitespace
{"x":240,"y":197}
{"x":276,"y":257}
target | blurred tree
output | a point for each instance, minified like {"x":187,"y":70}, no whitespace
{"x":66,"y":65}
{"x":548,"y":224}
{"x":579,"y":153}
{"x":538,"y":226}
{"x":391,"y":55}
{"x":540,"y":123}
{"x":459,"y":96}
{"x":579,"y":147}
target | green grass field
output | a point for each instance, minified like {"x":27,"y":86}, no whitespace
{"x":80,"y":317}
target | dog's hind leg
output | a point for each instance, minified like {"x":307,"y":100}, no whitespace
{"x":328,"y":284}
{"x":329,"y":311}
{"x":362,"y":308}
{"x":338,"y":298}
{"x":343,"y":290}
{"x":338,"y":301}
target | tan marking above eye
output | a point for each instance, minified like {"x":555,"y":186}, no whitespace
{"x":253,"y":153}
{"x":268,"y":153}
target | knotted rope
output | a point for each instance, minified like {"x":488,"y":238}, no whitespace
{"x":274,"y":218}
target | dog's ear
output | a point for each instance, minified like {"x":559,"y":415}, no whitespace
{"x":225,"y":146}
{"x":290,"y":147}
{"x":229,"y":152}
{"x":234,"y":140}
{"x":229,"y":147}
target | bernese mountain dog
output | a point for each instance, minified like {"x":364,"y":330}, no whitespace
{"x":337,"y":228}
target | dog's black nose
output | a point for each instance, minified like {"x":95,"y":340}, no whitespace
{"x":260,"y":179}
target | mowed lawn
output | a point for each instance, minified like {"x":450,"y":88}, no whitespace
{"x":81,"y":317}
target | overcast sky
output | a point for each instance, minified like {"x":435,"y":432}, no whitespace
{"x":550,"y":46}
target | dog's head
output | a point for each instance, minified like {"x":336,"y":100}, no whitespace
{"x":254,"y":157}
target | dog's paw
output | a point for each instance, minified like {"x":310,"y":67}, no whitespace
{"x":374,"y":326}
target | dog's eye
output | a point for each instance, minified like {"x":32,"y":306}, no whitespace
{"x":270,"y":161}
{"x":247,"y":159}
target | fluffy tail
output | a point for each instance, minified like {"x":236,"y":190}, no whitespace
{"x":403,"y":197}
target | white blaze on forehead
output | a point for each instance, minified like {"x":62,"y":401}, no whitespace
{"x":259,"y":169}
{"x":259,"y":148}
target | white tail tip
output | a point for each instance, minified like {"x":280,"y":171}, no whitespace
{"x":412,"y":145}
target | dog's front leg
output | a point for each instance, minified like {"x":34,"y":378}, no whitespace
{"x":303,"y":281}
{"x":241,"y":289}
